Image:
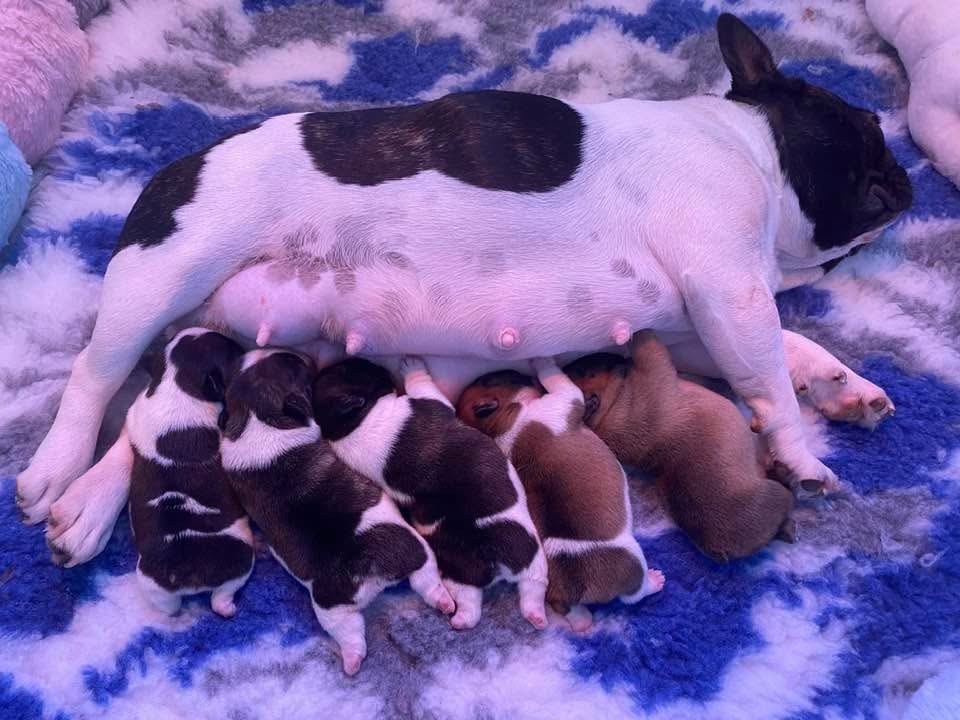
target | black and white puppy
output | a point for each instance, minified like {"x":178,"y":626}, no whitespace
{"x":190,"y":531}
{"x":332,"y":528}
{"x":466,"y":497}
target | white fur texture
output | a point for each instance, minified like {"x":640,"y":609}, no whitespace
{"x":926,"y":34}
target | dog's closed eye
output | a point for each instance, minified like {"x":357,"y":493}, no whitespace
{"x":486,"y":408}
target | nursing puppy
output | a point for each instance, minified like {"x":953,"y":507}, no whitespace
{"x":190,"y":531}
{"x":576,"y":490}
{"x":465,"y":496}
{"x":332,"y":529}
{"x":694,"y":440}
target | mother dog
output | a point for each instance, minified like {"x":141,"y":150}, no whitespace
{"x":504,"y":226}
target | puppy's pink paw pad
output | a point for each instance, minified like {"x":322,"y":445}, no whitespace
{"x":441,"y":600}
{"x":537,"y":619}
{"x":656,"y":580}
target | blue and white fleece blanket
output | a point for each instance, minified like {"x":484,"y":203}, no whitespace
{"x":860,"y":619}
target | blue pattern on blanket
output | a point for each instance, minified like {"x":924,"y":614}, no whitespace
{"x":848,"y":622}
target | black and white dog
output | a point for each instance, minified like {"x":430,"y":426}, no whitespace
{"x":189,"y":529}
{"x":464,"y":494}
{"x":497,"y":227}
{"x":332,"y":528}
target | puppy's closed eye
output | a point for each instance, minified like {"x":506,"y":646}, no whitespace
{"x":486,"y":408}
{"x":298,"y":408}
{"x":347,"y":404}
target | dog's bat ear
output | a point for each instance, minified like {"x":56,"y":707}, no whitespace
{"x":744,"y":53}
{"x":486,"y":408}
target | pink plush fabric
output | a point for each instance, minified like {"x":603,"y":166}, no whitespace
{"x":43,"y":59}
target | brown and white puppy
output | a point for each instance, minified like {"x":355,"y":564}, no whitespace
{"x":694,"y":440}
{"x":465,"y":497}
{"x":190,"y":531}
{"x":576,"y":490}
{"x":332,"y":528}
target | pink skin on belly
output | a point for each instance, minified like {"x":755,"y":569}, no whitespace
{"x":283,"y":303}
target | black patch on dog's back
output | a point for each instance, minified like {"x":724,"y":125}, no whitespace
{"x":492,"y":139}
{"x":189,"y":445}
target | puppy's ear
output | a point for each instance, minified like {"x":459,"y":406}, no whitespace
{"x":748,"y":59}
{"x":486,"y":408}
{"x":234,"y":424}
{"x":298,"y":407}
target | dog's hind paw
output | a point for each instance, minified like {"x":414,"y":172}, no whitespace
{"x":842,"y":395}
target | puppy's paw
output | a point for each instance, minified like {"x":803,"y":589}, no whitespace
{"x":580,"y":619}
{"x":656,"y":580}
{"x":438,"y":597}
{"x":842,"y":395}
{"x":352,"y":658}
{"x":410,"y":364}
{"x":223,"y":605}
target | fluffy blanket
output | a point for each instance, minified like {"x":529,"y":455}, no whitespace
{"x":861,"y":618}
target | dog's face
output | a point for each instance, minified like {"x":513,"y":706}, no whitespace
{"x":344,"y":393}
{"x":600,"y":378}
{"x":490,"y":404}
{"x":203,"y":363}
{"x":833,"y":154}
{"x":274,"y":386}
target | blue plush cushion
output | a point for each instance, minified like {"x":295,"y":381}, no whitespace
{"x":15,"y":176}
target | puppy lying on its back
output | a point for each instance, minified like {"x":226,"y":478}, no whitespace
{"x":465,"y":495}
{"x":694,"y":440}
{"x":332,"y":529}
{"x":189,"y":529}
{"x":576,"y":490}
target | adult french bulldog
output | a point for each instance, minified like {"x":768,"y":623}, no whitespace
{"x":498,"y":227}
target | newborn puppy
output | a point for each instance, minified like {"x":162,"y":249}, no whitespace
{"x":190,"y":531}
{"x":465,"y":496}
{"x":694,"y":440}
{"x":576,"y":490}
{"x":332,"y":529}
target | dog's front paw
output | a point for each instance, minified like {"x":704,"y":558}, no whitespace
{"x":807,"y":476}
{"x":842,"y":395}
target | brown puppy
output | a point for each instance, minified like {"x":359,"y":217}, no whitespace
{"x":694,"y":440}
{"x":576,"y":490}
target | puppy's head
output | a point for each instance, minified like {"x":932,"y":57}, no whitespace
{"x":600,"y":377}
{"x":344,"y":393}
{"x":832,"y":153}
{"x":202,"y":363}
{"x":491,"y":403}
{"x":275,"y":387}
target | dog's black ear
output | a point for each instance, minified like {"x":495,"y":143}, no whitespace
{"x":234,"y":424}
{"x":486,"y":408}
{"x":744,"y":53}
{"x":298,"y":407}
{"x":347,"y":404}
{"x":222,"y":419}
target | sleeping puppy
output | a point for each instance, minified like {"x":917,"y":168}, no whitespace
{"x":576,"y":490}
{"x":190,"y":531}
{"x":332,"y":529}
{"x":694,"y":440}
{"x":465,"y":497}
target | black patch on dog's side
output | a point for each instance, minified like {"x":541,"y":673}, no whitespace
{"x":833,"y":154}
{"x":189,"y":445}
{"x":189,"y":561}
{"x":517,"y":142}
